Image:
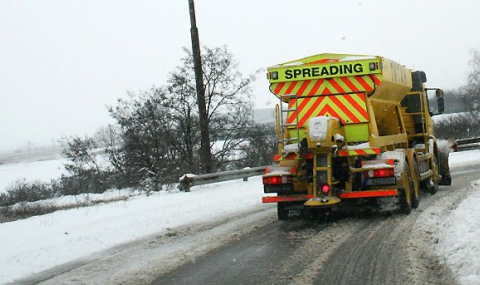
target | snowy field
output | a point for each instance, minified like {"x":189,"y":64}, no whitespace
{"x":43,"y":242}
{"x":31,"y":171}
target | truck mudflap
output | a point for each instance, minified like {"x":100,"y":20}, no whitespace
{"x":368,"y":194}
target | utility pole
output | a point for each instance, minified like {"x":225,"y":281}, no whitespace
{"x":202,"y":109}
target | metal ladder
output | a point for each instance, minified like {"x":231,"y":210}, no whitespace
{"x":284,"y":125}
{"x":323,"y":166}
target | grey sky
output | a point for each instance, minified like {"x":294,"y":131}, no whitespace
{"x":62,"y":61}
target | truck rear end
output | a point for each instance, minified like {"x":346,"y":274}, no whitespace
{"x":341,"y":134}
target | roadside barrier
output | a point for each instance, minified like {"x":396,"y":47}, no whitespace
{"x":189,"y":180}
{"x":468,"y":144}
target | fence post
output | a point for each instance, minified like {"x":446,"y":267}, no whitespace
{"x":185,"y":184}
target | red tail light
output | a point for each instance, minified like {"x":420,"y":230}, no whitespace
{"x":379,"y":172}
{"x":275,"y":180}
{"x":384,"y":173}
{"x":325,"y":188}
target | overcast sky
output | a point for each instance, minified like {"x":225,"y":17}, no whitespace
{"x":63,"y":61}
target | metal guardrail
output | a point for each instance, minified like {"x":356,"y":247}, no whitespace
{"x":186,"y":181}
{"x":468,"y":144}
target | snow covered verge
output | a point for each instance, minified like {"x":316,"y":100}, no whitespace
{"x":460,"y":238}
{"x":42,"y":242}
{"x":448,"y":231}
{"x":170,"y":222}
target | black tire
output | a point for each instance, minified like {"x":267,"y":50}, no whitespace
{"x":415,"y":200}
{"x":416,"y":195}
{"x":405,"y":206}
{"x":406,"y":203}
{"x":432,"y":187}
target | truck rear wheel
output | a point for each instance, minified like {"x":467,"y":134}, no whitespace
{"x":407,"y":193}
{"x":405,"y":202}
{"x":416,"y":189}
{"x":432,"y":186}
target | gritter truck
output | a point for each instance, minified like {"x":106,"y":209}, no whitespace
{"x":351,"y":129}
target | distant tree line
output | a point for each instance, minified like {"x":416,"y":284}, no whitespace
{"x":465,"y":102}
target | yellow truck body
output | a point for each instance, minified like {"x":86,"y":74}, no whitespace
{"x":350,"y":127}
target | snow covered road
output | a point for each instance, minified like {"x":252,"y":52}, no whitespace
{"x":125,"y":229}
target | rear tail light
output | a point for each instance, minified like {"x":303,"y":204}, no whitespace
{"x":325,"y":188}
{"x":381,"y":168}
{"x":276,"y":180}
{"x":388,"y":172}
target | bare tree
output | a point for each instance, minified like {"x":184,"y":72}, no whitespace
{"x":259,"y":148}
{"x":228,"y":102}
{"x":158,"y":136}
{"x":471,"y":91}
{"x":457,"y":126}
{"x":109,"y":138}
{"x":86,"y":175}
{"x":466,"y":101}
{"x":81,"y":152}
{"x":146,"y":153}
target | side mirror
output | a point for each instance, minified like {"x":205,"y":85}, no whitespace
{"x":441,"y":105}
{"x":440,"y":100}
